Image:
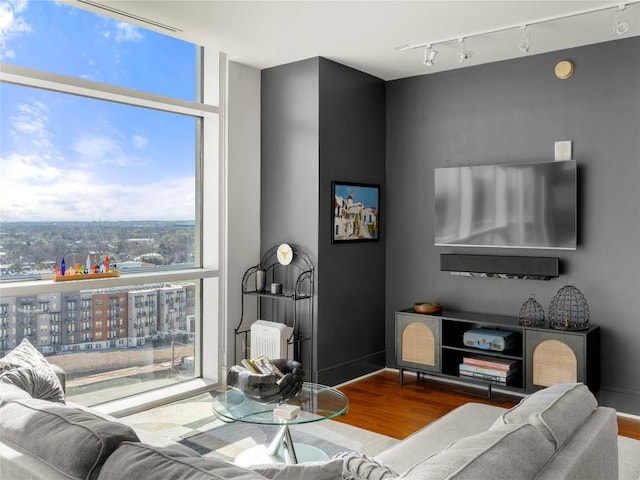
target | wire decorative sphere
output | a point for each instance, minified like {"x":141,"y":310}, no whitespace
{"x":531,"y":313}
{"x":569,"y":310}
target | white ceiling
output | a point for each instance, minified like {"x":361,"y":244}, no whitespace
{"x":364,"y":34}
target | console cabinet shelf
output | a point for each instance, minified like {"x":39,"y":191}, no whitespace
{"x":538,"y":357}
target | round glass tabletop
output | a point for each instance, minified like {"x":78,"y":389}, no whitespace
{"x":316,"y":402}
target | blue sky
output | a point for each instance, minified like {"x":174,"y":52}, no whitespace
{"x":368,"y":196}
{"x":64,"y":157}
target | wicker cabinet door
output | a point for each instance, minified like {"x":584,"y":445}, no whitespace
{"x":418,"y":342}
{"x":554,"y":357}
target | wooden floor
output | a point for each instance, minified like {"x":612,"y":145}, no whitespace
{"x":378,"y":403}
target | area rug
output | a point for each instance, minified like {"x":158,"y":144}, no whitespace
{"x":193,"y":424}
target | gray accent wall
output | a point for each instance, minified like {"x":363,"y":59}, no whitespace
{"x":514,"y":111}
{"x":322,"y":121}
{"x":351,"y":276}
{"x":290,"y":167}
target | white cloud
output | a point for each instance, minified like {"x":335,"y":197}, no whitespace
{"x":31,"y":169}
{"x":41,"y":181}
{"x":31,"y":188}
{"x":125,"y":32}
{"x":96,"y":147}
{"x":31,"y":122}
{"x":165,"y":199}
{"x":139,"y":141}
{"x":11,"y":25}
{"x":104,"y":149}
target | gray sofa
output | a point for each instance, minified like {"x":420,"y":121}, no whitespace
{"x":567,"y":433}
{"x":557,"y":433}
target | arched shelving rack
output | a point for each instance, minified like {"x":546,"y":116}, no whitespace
{"x":294,"y":306}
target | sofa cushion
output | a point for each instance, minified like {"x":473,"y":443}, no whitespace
{"x":38,"y":382}
{"x":72,"y":441}
{"x":28,"y":356}
{"x":9,"y":393}
{"x":557,"y":411}
{"x":139,"y":461}
{"x":502,"y":453}
{"x":323,"y":470}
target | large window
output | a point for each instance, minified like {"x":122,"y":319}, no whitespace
{"x":53,"y":37}
{"x":104,"y":144}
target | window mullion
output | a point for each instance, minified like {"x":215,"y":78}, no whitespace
{"x":77,"y":86}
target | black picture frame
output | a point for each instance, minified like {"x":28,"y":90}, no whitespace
{"x":355,"y":215}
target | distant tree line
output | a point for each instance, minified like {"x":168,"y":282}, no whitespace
{"x":41,"y":246}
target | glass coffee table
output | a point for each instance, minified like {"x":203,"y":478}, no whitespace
{"x":315,"y":402}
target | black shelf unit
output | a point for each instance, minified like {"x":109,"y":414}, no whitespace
{"x":293,"y":307}
{"x":454,"y":350}
{"x":448,"y":329}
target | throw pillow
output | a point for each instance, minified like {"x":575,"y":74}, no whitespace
{"x":358,"y":466}
{"x":505,"y":453}
{"x":139,"y":461}
{"x":73,"y":441}
{"x":557,"y":411}
{"x":37,"y":382}
{"x":327,"y":470}
{"x":26,"y":355}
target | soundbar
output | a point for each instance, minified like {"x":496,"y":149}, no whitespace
{"x":501,"y":266}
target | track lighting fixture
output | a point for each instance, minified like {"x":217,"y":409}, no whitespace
{"x":463,"y":54}
{"x":429,"y":56}
{"x":621,"y":27}
{"x":525,"y":44}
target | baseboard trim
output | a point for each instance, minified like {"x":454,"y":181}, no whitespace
{"x":362,"y":377}
{"x":354,"y":368}
{"x":630,"y":416}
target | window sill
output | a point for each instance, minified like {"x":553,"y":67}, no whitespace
{"x":34,"y":287}
{"x":155,"y":398}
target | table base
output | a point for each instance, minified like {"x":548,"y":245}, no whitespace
{"x":258,"y":455}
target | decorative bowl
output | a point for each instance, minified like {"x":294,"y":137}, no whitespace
{"x":427,"y":307}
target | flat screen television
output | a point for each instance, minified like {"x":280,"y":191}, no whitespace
{"x":519,"y":205}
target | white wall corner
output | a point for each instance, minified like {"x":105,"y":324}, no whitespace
{"x":243,"y":192}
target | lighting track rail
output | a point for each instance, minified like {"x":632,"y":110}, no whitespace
{"x":621,"y":6}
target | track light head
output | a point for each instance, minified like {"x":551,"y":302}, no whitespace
{"x":621,"y":27}
{"x":525,"y":44}
{"x":463,"y":54}
{"x":429,"y":56}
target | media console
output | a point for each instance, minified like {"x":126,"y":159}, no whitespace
{"x":536,"y":357}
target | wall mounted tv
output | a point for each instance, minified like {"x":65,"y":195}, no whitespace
{"x":519,"y":205}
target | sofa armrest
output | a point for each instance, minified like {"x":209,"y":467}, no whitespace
{"x":628,"y":455}
{"x":591,"y":453}
{"x":62,"y":376}
{"x":466,"y":420}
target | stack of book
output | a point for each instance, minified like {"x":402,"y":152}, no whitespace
{"x":261,"y":365}
{"x":498,"y":370}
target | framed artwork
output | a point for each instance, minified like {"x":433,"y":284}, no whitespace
{"x":356,"y":212}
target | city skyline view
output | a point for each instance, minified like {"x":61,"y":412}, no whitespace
{"x":70,"y":158}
